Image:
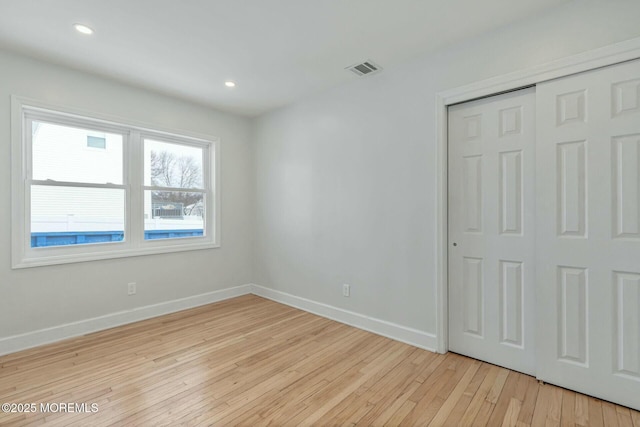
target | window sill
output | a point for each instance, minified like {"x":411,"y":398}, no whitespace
{"x":28,"y":262}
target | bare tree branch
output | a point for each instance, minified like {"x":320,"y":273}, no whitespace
{"x":170,"y":170}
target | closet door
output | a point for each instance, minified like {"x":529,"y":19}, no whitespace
{"x":491,"y":236}
{"x":588,"y":232}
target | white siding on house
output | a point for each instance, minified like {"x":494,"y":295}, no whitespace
{"x":49,"y":201}
{"x":61,"y":153}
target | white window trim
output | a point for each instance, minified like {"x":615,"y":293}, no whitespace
{"x":23,"y":256}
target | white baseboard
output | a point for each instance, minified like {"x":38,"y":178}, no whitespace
{"x":45,"y":336}
{"x":394,"y":331}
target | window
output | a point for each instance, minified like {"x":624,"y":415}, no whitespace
{"x":96,"y":142}
{"x":85,"y":188}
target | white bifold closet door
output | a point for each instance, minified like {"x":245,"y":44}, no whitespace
{"x":588,"y":232}
{"x":491,"y":229}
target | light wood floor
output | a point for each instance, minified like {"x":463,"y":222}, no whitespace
{"x":249,"y":361}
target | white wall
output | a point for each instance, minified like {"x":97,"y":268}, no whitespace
{"x":346,"y":180}
{"x":36,"y":298}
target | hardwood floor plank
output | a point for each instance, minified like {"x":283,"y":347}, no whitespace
{"x":393,"y":402}
{"x":624,"y":417}
{"x":496,"y":389}
{"x":581,"y":410}
{"x":609,"y":414}
{"x":555,"y":407}
{"x":595,"y":413}
{"x":529,"y":401}
{"x":397,"y":419}
{"x":489,"y":404}
{"x":433,"y":385}
{"x":347,"y":387}
{"x":480,"y":397}
{"x":375,"y":394}
{"x":511,"y":415}
{"x":539,"y":417}
{"x":455,"y":418}
{"x":447,"y":407}
{"x":568,"y":413}
{"x":504,"y":399}
{"x":426,"y":412}
{"x":251,"y":361}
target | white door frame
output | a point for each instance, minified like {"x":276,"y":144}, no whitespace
{"x":601,"y":57}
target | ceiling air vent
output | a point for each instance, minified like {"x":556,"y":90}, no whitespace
{"x":364,"y":68}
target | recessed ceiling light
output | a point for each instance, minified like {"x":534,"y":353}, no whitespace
{"x":83,"y":29}
{"x":229,"y":83}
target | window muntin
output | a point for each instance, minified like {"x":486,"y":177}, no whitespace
{"x":40,"y":188}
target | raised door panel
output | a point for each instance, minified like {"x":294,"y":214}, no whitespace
{"x":511,"y":303}
{"x":627,"y":326}
{"x":472,"y":198}
{"x":571,"y":188}
{"x":473,"y":296}
{"x":511,"y":197}
{"x":573,"y":327}
{"x":626,"y":190}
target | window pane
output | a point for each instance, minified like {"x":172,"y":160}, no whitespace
{"x":73,"y":216}
{"x":172,"y":165}
{"x":173,"y":214}
{"x":97,"y":142}
{"x":64,"y":153}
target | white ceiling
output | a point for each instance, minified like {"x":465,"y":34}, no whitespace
{"x":277,"y":51}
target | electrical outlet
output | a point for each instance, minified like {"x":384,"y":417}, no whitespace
{"x":346,"y":290}
{"x":131,"y":288}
